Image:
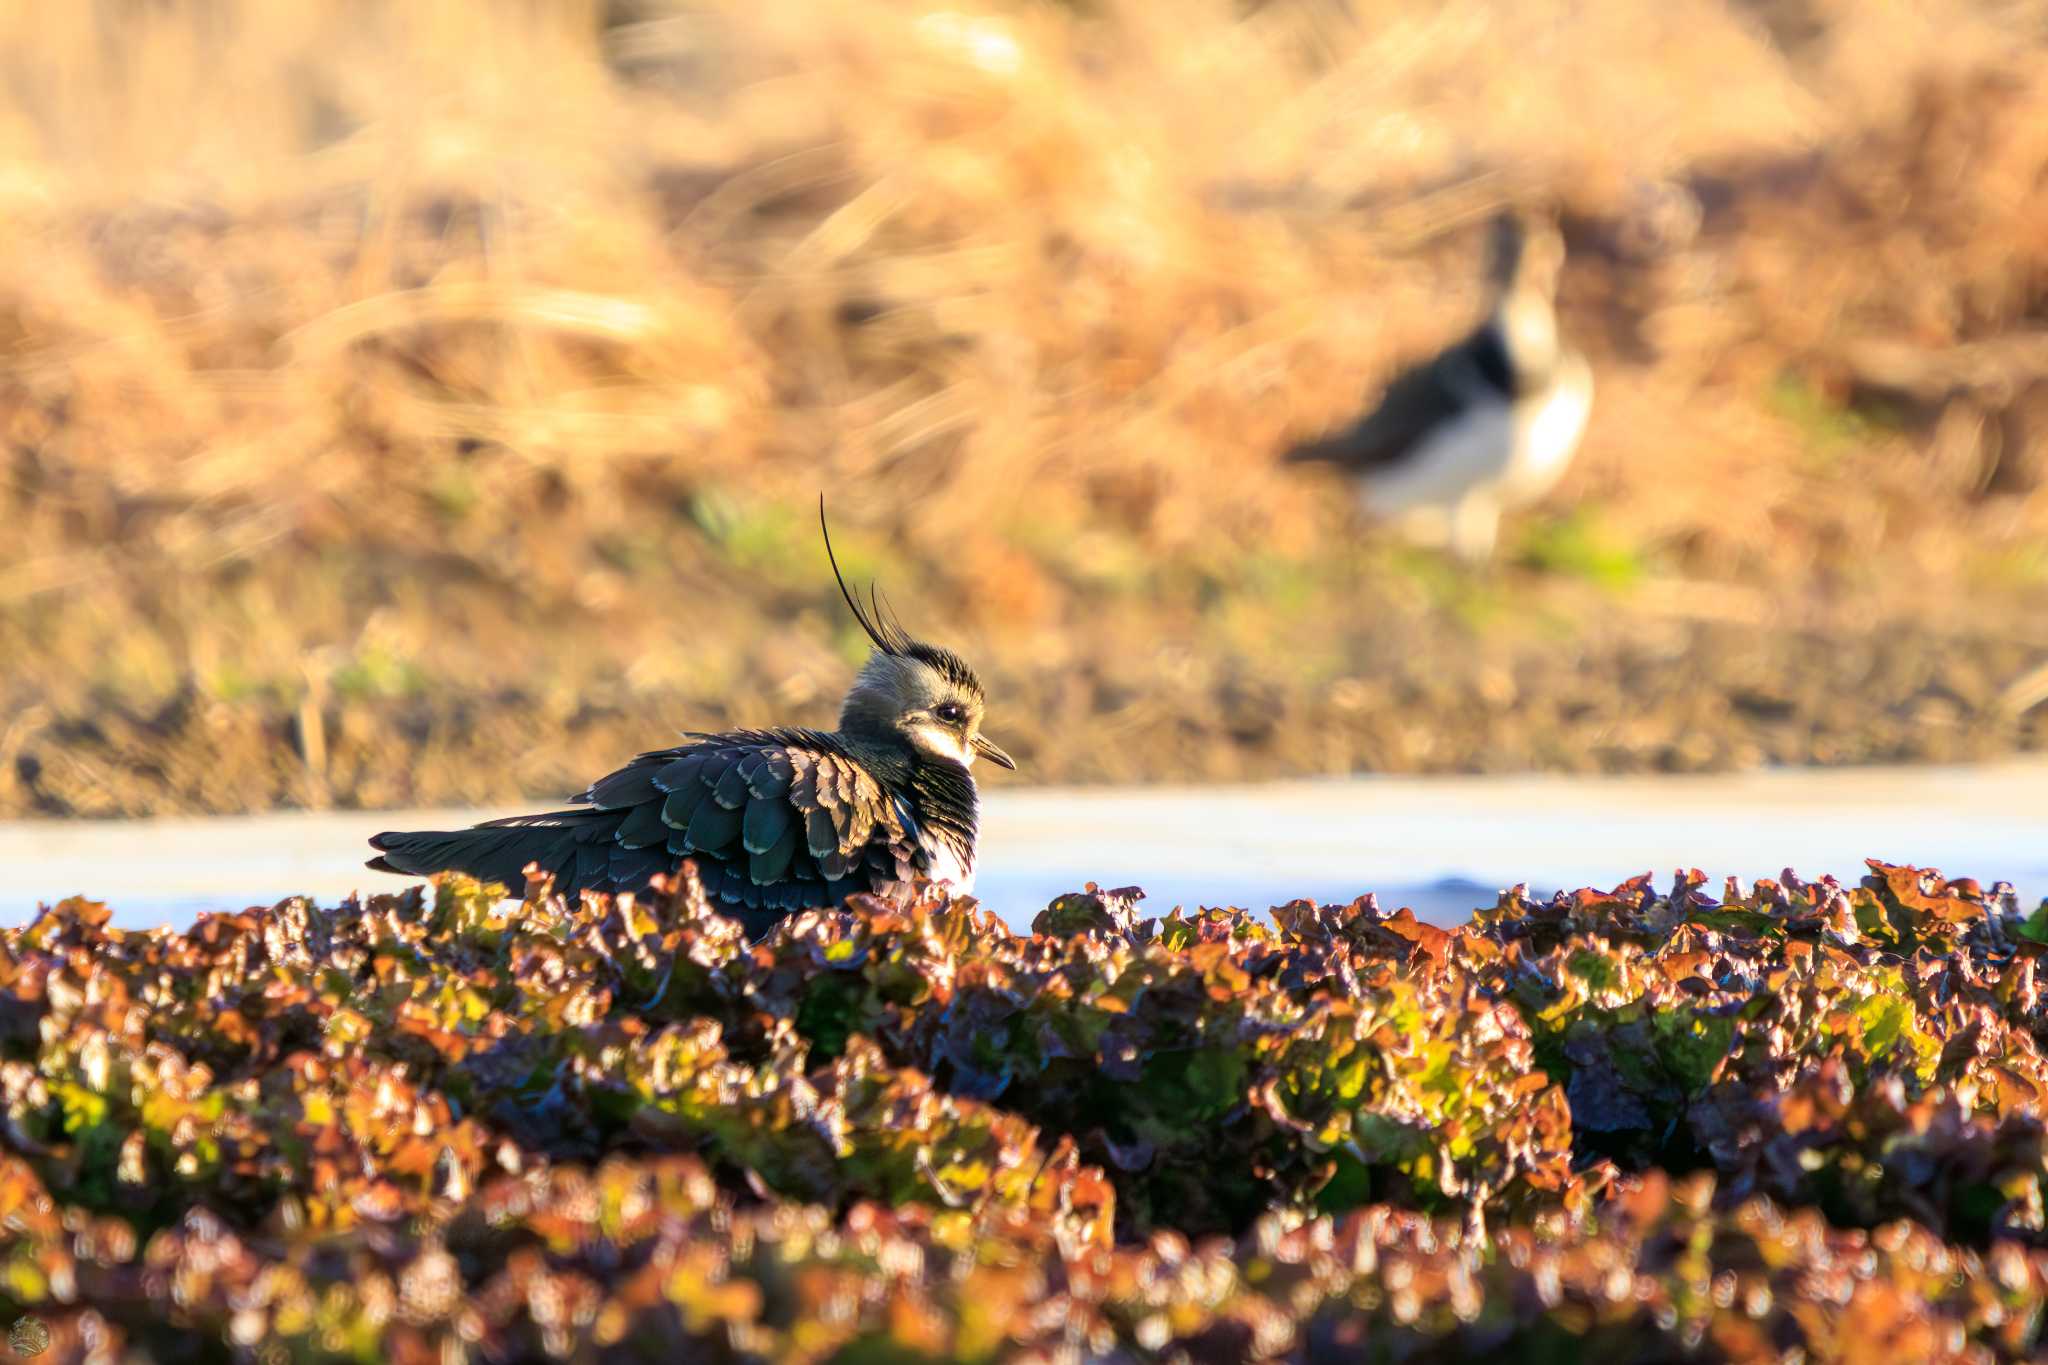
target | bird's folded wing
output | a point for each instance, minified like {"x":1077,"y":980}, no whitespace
{"x":781,"y":811}
{"x":1421,"y":399}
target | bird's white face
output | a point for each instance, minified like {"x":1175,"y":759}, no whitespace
{"x":943,"y":719}
{"x":940,"y":742}
{"x":1528,"y":255}
{"x":936,"y":715}
{"x":1542,"y":258}
{"x":1531,"y":326}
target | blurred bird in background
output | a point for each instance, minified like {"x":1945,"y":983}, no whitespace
{"x":777,"y":820}
{"x":1485,"y":426}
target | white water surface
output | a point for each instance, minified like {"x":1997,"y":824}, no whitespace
{"x":1443,"y":845}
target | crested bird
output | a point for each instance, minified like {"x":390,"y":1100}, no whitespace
{"x":777,"y":820}
{"x":1486,"y":425}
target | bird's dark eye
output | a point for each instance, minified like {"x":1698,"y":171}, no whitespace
{"x":951,"y":712}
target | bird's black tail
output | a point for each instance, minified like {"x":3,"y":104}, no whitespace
{"x":499,"y":851}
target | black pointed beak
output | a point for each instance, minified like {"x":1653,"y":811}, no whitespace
{"x":984,"y":747}
{"x":1323,"y":450}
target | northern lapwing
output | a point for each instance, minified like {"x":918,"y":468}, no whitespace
{"x":1485,"y":426}
{"x":777,"y":820}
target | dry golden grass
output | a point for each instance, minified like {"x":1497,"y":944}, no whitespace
{"x":441,"y":390}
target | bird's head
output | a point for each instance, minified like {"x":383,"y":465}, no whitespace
{"x":924,"y":696}
{"x":1527,"y":253}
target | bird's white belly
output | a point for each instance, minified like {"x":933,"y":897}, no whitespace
{"x":1514,"y":452}
{"x":1547,"y":435}
{"x":946,"y":868}
{"x":1471,"y":451}
{"x":949,"y":871}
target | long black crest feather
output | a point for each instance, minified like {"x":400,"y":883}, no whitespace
{"x":877,"y":620}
